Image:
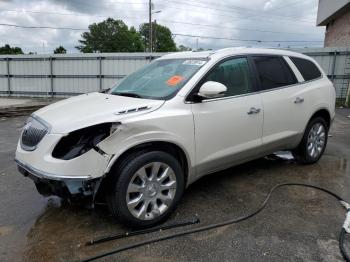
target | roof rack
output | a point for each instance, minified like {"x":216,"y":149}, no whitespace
{"x":229,"y":48}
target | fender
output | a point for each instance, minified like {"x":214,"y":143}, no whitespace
{"x":115,"y":156}
{"x":133,"y":134}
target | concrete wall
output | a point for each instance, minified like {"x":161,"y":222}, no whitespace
{"x":338,"y":31}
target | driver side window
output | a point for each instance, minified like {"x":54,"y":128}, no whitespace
{"x":234,"y":74}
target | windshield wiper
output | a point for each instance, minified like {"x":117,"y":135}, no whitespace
{"x":126,"y":94}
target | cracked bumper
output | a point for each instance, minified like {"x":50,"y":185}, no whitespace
{"x":62,"y":186}
{"x":54,"y":176}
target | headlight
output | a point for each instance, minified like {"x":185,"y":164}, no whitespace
{"x":80,"y":141}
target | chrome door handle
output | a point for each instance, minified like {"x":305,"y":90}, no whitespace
{"x":298,"y":100}
{"x":253,"y":110}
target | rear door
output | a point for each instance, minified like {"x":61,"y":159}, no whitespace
{"x":283,"y":102}
{"x":228,"y":129}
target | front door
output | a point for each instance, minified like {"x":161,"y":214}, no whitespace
{"x":228,"y":130}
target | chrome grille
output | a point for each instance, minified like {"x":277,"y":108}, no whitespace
{"x":33,"y":132}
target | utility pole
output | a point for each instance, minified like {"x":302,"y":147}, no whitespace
{"x":150,"y":26}
{"x":155,"y":36}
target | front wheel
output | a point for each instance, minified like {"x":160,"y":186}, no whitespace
{"x":314,"y":142}
{"x":147,"y":188}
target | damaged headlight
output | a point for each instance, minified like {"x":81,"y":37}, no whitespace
{"x":80,"y":141}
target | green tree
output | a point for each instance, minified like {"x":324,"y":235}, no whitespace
{"x":182,"y":48}
{"x":110,"y":36}
{"x":8,"y":50}
{"x":162,"y":38}
{"x":60,"y":50}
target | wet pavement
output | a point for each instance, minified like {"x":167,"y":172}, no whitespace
{"x":298,"y":224}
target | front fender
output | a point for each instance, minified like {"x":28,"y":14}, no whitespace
{"x":132,"y":134}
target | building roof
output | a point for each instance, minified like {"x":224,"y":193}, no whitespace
{"x":329,"y":10}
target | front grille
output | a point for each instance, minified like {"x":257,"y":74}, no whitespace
{"x":33,"y":132}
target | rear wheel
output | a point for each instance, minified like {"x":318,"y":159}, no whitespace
{"x":314,"y":142}
{"x":146,"y":188}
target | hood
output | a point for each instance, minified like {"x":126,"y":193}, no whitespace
{"x":91,"y":109}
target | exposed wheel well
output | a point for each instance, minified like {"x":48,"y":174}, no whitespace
{"x":167,"y":147}
{"x":324,"y":114}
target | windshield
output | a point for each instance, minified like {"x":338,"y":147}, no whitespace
{"x":161,"y":79}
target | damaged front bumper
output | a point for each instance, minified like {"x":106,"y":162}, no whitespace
{"x":64,"y":178}
{"x":59,"y":185}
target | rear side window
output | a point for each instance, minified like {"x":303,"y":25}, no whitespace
{"x":273,"y":72}
{"x":306,"y":68}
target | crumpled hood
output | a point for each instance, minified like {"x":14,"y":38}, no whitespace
{"x":91,"y":109}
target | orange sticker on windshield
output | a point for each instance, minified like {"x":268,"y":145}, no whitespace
{"x":174,"y":80}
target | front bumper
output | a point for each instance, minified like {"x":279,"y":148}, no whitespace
{"x":62,"y":186}
{"x":86,"y":166}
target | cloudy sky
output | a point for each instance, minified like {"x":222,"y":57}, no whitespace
{"x":270,"y":23}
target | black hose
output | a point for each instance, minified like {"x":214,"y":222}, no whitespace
{"x":193,"y":221}
{"x":224,"y":223}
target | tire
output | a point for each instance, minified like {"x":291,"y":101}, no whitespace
{"x":303,"y":154}
{"x":152,"y":196}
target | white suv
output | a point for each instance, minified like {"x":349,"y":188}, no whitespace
{"x":183,"y":116}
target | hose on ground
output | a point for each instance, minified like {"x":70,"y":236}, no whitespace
{"x":237,"y":220}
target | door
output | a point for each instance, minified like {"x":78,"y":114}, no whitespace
{"x":283,"y":103}
{"x":228,"y":130}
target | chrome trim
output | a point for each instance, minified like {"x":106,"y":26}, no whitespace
{"x":315,"y":79}
{"x":41,"y":174}
{"x":133,"y":110}
{"x":27,"y":148}
{"x":252,"y":93}
{"x":223,"y":98}
{"x":42,"y":121}
{"x":47,"y":126}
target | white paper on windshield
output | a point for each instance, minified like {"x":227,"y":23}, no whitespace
{"x":194,"y":62}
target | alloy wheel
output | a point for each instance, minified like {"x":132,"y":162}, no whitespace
{"x":151,"y":191}
{"x":316,"y":140}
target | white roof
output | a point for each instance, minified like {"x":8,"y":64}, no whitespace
{"x":232,"y":51}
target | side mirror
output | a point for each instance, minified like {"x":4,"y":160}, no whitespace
{"x":105,"y":90}
{"x":212,"y":89}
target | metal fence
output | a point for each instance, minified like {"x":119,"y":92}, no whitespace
{"x":66,"y":75}
{"x":336,"y":63}
{"x":71,"y":74}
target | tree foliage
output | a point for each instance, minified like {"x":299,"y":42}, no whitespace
{"x":110,"y":36}
{"x":182,"y":48}
{"x":162,"y":38}
{"x":8,"y":50}
{"x":60,"y":50}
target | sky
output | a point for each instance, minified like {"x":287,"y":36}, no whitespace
{"x":208,"y":24}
